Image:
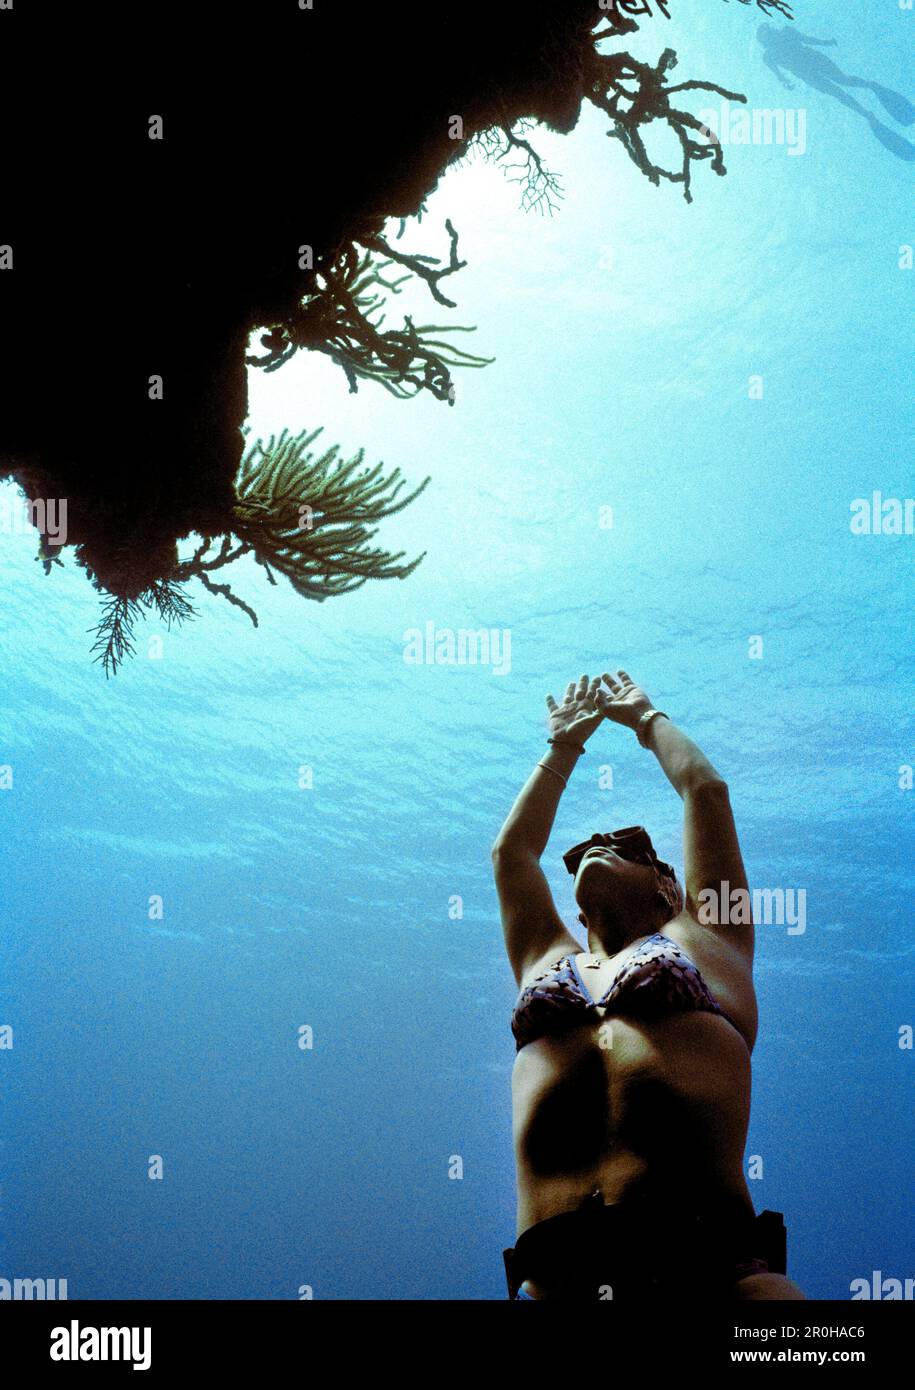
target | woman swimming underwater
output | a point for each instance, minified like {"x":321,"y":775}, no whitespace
{"x":631,"y":1085}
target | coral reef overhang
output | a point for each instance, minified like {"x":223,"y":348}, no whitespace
{"x":297,"y":126}
{"x":304,"y":127}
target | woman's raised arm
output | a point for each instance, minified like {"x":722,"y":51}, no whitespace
{"x":711,"y":851}
{"x":532,"y":926}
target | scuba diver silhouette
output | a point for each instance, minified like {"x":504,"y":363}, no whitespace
{"x":787,"y":49}
{"x":631,"y":1084}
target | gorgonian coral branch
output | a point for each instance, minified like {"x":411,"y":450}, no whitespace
{"x":309,"y":518}
{"x":622,"y":14}
{"x":541,"y":188}
{"x":770,"y":7}
{"x":635,"y":94}
{"x":343,"y":317}
{"x":114,"y":631}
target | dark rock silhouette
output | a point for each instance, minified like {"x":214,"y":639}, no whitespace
{"x":282,"y":127}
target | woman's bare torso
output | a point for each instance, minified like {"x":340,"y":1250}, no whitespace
{"x":628,"y":1106}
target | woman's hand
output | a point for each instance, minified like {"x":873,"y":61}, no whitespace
{"x":575,"y":720}
{"x":626,"y":702}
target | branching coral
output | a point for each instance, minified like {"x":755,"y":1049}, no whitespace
{"x":771,"y":7}
{"x":609,"y":89}
{"x":343,"y":316}
{"x":311,"y":519}
{"x":634,"y":95}
{"x":114,"y":631}
{"x":541,"y":188}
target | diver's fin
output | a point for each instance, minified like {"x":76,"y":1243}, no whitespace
{"x":894,"y":103}
{"x":896,"y":144}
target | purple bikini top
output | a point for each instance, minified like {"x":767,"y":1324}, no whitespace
{"x":657,"y":979}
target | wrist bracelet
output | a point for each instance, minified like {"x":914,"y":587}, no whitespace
{"x":644,"y":724}
{"x":546,"y":767}
{"x":566,"y":743}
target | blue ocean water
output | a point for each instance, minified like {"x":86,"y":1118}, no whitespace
{"x":726,"y":378}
